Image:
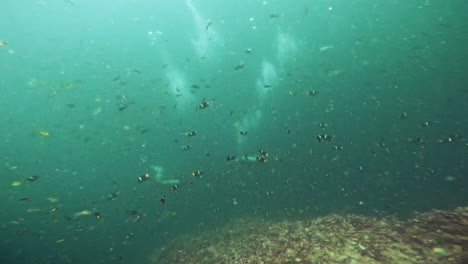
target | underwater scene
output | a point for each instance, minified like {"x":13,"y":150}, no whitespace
{"x":234,"y":131}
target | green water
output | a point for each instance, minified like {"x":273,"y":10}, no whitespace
{"x":111,"y":84}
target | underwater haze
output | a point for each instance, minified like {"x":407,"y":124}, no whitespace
{"x":125,"y":124}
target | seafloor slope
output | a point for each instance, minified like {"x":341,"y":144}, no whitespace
{"x":429,"y":238}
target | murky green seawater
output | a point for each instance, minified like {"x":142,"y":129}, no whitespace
{"x":361,"y":106}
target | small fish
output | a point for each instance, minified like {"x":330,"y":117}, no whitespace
{"x":52,"y":199}
{"x":208,"y":24}
{"x":84,"y":212}
{"x":3,"y":43}
{"x":189,"y":134}
{"x":132,"y":212}
{"x":403,"y":115}
{"x":426,"y":124}
{"x":338,"y":148}
{"x":239,"y":67}
{"x":16,"y":183}
{"x":274,"y":15}
{"x":325,"y":137}
{"x":22,"y":231}
{"x":312,"y":93}
{"x":32,"y":179}
{"x":34,"y":210}
{"x":197,"y":173}
{"x":186,"y":147}
{"x":44,"y":133}
{"x":144,"y":131}
{"x":324,"y":48}
{"x":195,"y":86}
{"x":204,"y":105}
{"x":24,"y":199}
{"x":113,"y":195}
{"x":230,"y":158}
{"x":323,"y":125}
{"x":123,"y":107}
{"x":143,"y":178}
{"x":116,"y":78}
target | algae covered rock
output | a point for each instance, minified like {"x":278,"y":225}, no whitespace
{"x":433,"y":237}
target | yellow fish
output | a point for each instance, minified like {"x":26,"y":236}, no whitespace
{"x":52,"y":199}
{"x":2,"y":43}
{"x":16,"y":183}
{"x":84,"y":212}
{"x":44,"y":133}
